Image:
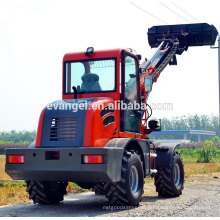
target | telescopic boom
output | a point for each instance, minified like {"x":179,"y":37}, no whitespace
{"x":175,"y":39}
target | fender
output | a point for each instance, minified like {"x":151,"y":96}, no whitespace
{"x":142,"y":146}
{"x":165,"y":154}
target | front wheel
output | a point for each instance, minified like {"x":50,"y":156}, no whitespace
{"x":129,"y":190}
{"x":169,"y":182}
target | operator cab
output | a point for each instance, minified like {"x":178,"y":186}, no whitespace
{"x":109,"y":73}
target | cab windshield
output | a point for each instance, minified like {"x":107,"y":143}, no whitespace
{"x":89,"y":76}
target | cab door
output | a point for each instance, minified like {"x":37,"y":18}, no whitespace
{"x":130,"y":94}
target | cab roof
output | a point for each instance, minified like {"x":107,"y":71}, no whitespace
{"x":95,"y":55}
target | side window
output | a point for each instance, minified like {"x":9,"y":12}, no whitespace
{"x":130,"y":79}
{"x":132,"y":118}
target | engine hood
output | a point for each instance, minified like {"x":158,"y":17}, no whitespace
{"x":64,"y":123}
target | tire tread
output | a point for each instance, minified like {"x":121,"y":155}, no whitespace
{"x":163,"y":182}
{"x":40,"y":192}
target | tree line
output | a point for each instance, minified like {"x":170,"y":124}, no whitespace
{"x":185,"y":122}
{"x":191,"y":122}
{"x":17,"y":137}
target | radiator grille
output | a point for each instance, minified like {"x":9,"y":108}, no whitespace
{"x":63,"y":129}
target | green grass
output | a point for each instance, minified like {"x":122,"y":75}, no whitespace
{"x":12,"y":183}
{"x":189,"y":160}
{"x":206,"y":154}
{"x":74,"y":185}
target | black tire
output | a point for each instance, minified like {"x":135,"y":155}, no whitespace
{"x":129,"y":190}
{"x":85,"y":185}
{"x":99,"y":189}
{"x":46,"y":192}
{"x":169,"y":182}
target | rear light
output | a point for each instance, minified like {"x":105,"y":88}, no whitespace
{"x":92,"y":159}
{"x":16,"y":159}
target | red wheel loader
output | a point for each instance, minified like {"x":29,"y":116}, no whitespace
{"x":97,"y":135}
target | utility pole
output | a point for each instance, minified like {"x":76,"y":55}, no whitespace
{"x":218,"y":76}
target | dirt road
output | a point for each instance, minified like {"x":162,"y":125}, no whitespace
{"x":201,"y":197}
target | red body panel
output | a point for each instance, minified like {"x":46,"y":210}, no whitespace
{"x":96,"y":134}
{"x":113,"y":95}
{"x":39,"y":129}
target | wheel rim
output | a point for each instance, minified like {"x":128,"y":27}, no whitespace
{"x":177,"y":175}
{"x":54,"y":186}
{"x":133,"y":179}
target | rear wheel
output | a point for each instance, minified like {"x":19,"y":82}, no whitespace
{"x":129,"y":190}
{"x":99,"y":189}
{"x":46,"y":192}
{"x":85,"y":185}
{"x":169,"y":182}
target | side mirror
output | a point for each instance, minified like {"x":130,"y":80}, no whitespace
{"x":154,"y":124}
{"x":148,"y":82}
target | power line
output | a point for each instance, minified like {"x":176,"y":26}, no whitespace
{"x":148,"y":13}
{"x":184,"y":11}
{"x":174,"y":12}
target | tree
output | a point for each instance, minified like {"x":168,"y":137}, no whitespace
{"x":18,"y":136}
{"x":191,"y":122}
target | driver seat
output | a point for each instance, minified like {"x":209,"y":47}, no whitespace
{"x":90,"y":83}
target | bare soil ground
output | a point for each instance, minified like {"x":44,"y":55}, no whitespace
{"x":200,"y":197}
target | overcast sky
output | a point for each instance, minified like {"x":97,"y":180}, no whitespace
{"x":34,"y":36}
